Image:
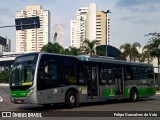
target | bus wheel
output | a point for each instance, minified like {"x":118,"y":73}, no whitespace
{"x":134,"y":95}
{"x":71,"y":99}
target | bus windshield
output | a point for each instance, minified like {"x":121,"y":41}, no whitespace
{"x":23,"y":70}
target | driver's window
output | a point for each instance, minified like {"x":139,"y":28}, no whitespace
{"x":47,"y":75}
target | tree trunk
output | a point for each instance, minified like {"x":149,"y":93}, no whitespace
{"x":134,"y":59}
{"x":130,"y":57}
{"x":90,"y":53}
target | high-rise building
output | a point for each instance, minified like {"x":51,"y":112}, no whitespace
{"x":90,"y":24}
{"x":105,"y":20}
{"x":79,"y":30}
{"x":92,"y":21}
{"x":6,"y":48}
{"x":59,"y":35}
{"x":102,"y":28}
{"x":33,"y":39}
{"x":74,"y":33}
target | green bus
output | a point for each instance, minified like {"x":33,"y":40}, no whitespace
{"x":45,"y":79}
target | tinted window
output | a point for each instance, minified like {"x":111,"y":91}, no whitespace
{"x":128,"y":73}
{"x":150,"y":72}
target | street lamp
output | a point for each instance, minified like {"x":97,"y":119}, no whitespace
{"x":108,"y":11}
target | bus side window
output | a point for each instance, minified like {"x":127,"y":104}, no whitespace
{"x":70,"y":72}
{"x":128,"y":73}
{"x":150,"y":72}
{"x":53,"y":72}
{"x":94,"y":73}
{"x":134,"y":73}
{"x":142,"y":73}
{"x":102,"y":75}
{"x":81,"y":74}
{"x":110,"y":76}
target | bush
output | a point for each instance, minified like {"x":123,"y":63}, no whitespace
{"x":4,"y":76}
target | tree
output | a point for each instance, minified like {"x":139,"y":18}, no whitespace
{"x":4,"y":76}
{"x":71,"y":51}
{"x":154,"y":44}
{"x":52,"y":48}
{"x":145,"y":56}
{"x":57,"y":48}
{"x":130,"y":50}
{"x":90,"y":46}
{"x":66,"y":51}
{"x":74,"y":51}
{"x":47,"y":48}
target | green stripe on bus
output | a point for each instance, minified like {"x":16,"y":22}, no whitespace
{"x":146,"y":91}
{"x":141,"y":92}
{"x":110,"y":92}
{"x":19,"y":93}
{"x":127,"y":92}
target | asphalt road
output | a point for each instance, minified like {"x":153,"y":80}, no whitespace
{"x":151,"y":105}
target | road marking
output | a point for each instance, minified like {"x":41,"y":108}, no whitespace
{"x":1,"y":99}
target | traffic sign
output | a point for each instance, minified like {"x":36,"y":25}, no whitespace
{"x":27,"y":23}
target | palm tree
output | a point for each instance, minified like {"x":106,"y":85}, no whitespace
{"x":155,"y":50}
{"x":145,"y":56}
{"x":130,"y":50}
{"x":90,"y":46}
{"x":154,"y":44}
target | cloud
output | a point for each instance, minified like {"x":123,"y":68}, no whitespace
{"x":143,"y":7}
{"x":129,"y":3}
{"x":131,"y":19}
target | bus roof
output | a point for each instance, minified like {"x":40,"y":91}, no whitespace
{"x":104,"y":59}
{"x":101,"y":59}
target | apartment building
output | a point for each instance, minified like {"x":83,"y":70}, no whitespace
{"x":32,"y":40}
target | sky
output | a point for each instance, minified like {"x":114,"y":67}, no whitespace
{"x":130,"y":19}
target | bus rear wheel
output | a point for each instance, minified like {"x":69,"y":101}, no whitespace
{"x":134,"y":95}
{"x":71,"y":99}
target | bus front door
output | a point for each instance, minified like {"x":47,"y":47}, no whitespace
{"x":91,"y":72}
{"x":119,"y":85}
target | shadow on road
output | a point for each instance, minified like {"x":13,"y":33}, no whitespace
{"x":62,"y":106}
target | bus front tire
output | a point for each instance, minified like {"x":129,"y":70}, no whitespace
{"x":71,"y":99}
{"x":134,"y":95}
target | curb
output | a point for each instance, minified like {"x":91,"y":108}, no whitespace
{"x":2,"y":84}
